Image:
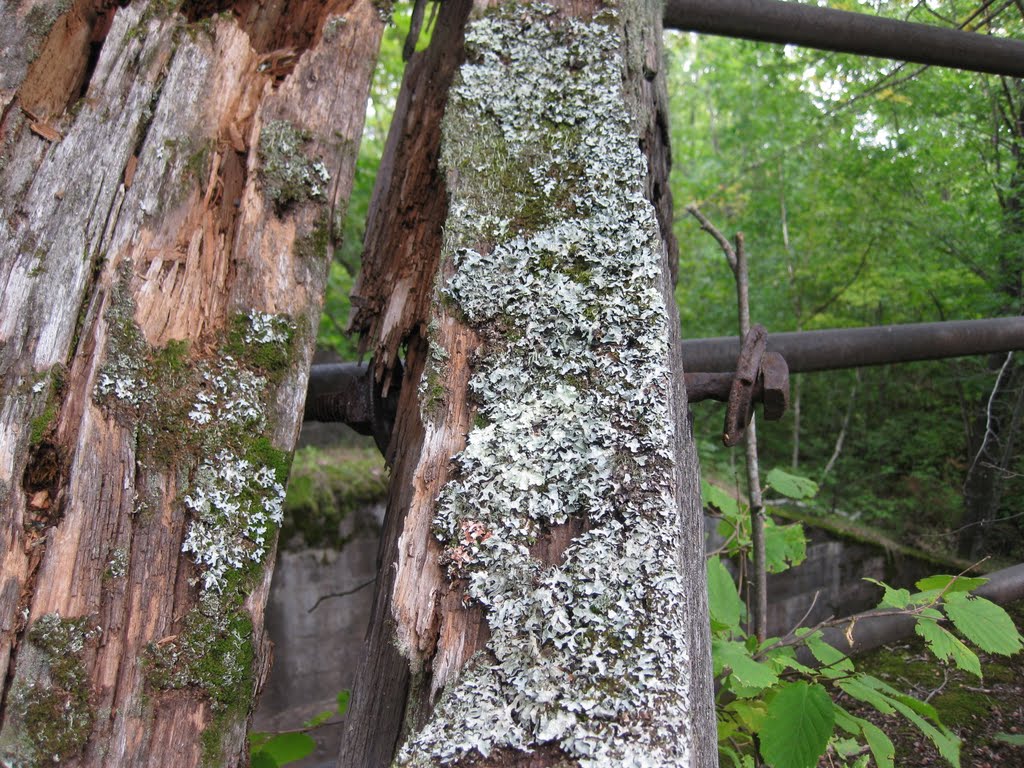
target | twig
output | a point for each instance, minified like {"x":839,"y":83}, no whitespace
{"x":737,"y":260}
{"x":346,"y":593}
{"x":988,"y":417}
{"x":707,"y":226}
{"x":945,"y":679}
{"x":790,"y":637}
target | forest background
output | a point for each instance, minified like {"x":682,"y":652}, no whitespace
{"x":870,"y":192}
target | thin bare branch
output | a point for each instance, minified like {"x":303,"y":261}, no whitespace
{"x":722,"y":240}
{"x":346,"y":593}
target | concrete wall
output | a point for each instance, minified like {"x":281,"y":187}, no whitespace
{"x":317,"y":652}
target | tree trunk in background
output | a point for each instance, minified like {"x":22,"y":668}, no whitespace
{"x":169,"y":187}
{"x":542,"y":598}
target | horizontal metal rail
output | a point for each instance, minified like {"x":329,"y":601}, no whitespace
{"x":826,"y":29}
{"x":807,"y":351}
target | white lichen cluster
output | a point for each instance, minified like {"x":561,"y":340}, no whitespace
{"x":229,"y":394}
{"x":265,"y":328}
{"x":590,"y":654}
{"x":235,"y":507}
{"x":119,"y":378}
{"x":236,"y":504}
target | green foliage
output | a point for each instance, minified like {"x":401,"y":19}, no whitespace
{"x":869,"y":193}
{"x":282,"y":749}
{"x":771,"y":704}
{"x":325,"y":487}
{"x":790,"y":485}
{"x":798,"y":726}
{"x":268,"y":750}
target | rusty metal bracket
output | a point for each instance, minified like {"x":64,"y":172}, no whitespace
{"x":760,"y":376}
{"x":741,"y":395}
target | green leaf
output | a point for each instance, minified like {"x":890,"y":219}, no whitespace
{"x":916,"y":711}
{"x":862,"y":691}
{"x":784,"y":546}
{"x":880,"y":745}
{"x":1016,"y":739}
{"x":344,"y":697}
{"x":734,"y":656}
{"x":983,"y":623}
{"x":262,"y":760}
{"x":945,"y":645}
{"x":892,"y":598}
{"x":950,"y":583}
{"x":831,"y":658}
{"x":750,"y":713}
{"x":946,"y":742}
{"x":718,"y":499}
{"x":791,"y":486}
{"x":723,"y":600}
{"x":288,"y":747}
{"x":257,"y":739}
{"x":798,"y":726}
{"x":846,"y":748}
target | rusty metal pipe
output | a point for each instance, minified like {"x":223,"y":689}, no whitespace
{"x":848,"y":32}
{"x":869,"y":631}
{"x":807,"y":351}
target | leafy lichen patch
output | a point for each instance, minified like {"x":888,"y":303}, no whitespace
{"x":207,"y":416}
{"x":52,"y":713}
{"x":214,"y":408}
{"x":289,"y":176}
{"x":573,"y":386}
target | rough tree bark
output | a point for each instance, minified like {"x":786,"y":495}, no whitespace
{"x":171,"y":177}
{"x":542,"y":597}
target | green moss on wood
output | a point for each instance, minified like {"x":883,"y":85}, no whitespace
{"x":53,"y":383}
{"x":213,"y":656}
{"x":52,"y":712}
{"x":316,"y":245}
{"x":207,"y":417}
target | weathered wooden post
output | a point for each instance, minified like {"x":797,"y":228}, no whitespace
{"x":166,"y":215}
{"x":542,"y":596}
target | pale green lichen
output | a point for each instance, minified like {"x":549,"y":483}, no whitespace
{"x":207,"y":416}
{"x":288,"y":175}
{"x":573,"y":386}
{"x":51,"y":713}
